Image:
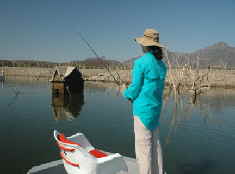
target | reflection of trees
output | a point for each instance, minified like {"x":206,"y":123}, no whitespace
{"x":67,"y":107}
{"x":176,"y":107}
{"x":108,"y":88}
{"x":99,"y":86}
{"x":201,"y":122}
{"x":179,"y":108}
{"x":202,"y":166}
{"x":219,"y":99}
{"x":94,"y":87}
{"x":17,"y":93}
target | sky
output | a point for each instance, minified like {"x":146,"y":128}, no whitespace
{"x":48,"y":29}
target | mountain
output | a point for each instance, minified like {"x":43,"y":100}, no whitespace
{"x":96,"y":62}
{"x":26,"y":63}
{"x":129,"y":62}
{"x":89,"y":63}
{"x":219,"y":54}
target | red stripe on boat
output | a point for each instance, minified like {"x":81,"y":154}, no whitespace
{"x":98,"y":154}
{"x":65,"y":148}
{"x":62,"y":138}
{"x":67,"y":161}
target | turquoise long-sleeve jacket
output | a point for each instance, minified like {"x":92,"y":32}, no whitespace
{"x":146,"y":89}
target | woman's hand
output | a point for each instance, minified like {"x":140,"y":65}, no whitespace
{"x":123,"y":87}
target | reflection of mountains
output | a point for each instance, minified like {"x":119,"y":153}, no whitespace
{"x":99,"y":86}
{"x":218,"y":98}
{"x":67,"y":107}
{"x":215,"y":99}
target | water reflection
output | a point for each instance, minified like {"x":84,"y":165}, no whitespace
{"x":204,"y":125}
{"x":67,"y":107}
{"x":211,"y":101}
{"x":202,"y":167}
{"x":107,"y":88}
{"x":15,"y":97}
{"x":2,"y":84}
{"x":196,"y":138}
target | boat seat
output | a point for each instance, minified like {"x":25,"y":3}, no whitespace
{"x":80,"y":157}
{"x":95,"y":152}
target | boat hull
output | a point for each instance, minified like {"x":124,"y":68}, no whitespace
{"x":57,"y":167}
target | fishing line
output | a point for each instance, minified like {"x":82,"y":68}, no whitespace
{"x":117,"y":81}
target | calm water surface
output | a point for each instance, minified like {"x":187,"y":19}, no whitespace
{"x":195,"y":138}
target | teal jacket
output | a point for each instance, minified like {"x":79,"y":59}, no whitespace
{"x":146,"y":89}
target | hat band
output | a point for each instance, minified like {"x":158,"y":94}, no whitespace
{"x":155,"y":39}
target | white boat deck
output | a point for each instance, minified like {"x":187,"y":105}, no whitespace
{"x":57,"y":167}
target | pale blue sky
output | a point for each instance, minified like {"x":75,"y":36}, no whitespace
{"x":47,"y":29}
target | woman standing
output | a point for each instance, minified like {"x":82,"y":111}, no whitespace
{"x":145,"y":93}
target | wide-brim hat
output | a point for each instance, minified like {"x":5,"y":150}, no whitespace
{"x":150,"y":38}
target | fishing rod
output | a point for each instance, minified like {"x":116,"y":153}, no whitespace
{"x":117,"y":81}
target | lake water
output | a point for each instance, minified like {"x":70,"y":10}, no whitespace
{"x":196,"y":138}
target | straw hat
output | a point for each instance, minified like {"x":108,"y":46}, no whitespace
{"x":150,"y":38}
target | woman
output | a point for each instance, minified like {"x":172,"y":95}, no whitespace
{"x":145,"y":93}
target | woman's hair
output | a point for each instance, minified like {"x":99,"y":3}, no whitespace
{"x":156,"y":51}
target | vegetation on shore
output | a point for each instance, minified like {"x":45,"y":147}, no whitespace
{"x":90,"y":63}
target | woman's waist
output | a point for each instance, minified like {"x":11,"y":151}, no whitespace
{"x":152,"y":89}
{"x":149,"y":97}
{"x":150,"y":105}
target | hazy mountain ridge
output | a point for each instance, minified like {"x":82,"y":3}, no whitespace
{"x":26,"y":63}
{"x":218,"y":54}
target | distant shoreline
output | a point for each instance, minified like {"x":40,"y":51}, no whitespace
{"x":216,"y":78}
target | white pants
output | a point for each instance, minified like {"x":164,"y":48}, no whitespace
{"x":147,"y":149}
